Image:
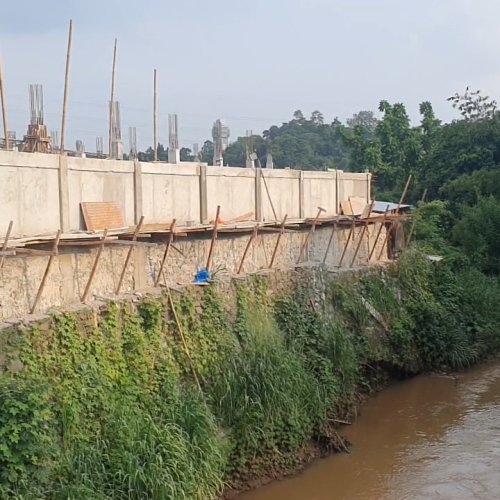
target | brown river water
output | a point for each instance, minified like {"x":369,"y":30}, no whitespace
{"x":430,"y":437}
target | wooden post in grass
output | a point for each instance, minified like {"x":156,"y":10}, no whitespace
{"x":47,"y":270}
{"x":183,"y":339}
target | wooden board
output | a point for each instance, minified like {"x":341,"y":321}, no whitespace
{"x":102,"y":215}
{"x":345,"y":206}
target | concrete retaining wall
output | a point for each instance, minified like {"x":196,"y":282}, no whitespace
{"x":20,"y":277}
{"x":42,"y":193}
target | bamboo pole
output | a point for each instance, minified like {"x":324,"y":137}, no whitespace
{"x":4,"y":110}
{"x":268,"y":194}
{"x":414,"y":221}
{"x":129,"y":254}
{"x":5,"y":242}
{"x":391,"y":227}
{"x":280,"y":235}
{"x":250,"y":240}
{"x":382,"y":223}
{"x":330,"y":241}
{"x":350,"y":235}
{"x":214,"y":237}
{"x":155,"y":111}
{"x":306,"y":241}
{"x":94,"y":266}
{"x":111,"y":107}
{"x":365,"y":227}
{"x":183,"y":339}
{"x":66,"y":77}
{"x":47,"y":270}
{"x":165,"y":254}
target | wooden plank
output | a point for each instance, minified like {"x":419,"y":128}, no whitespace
{"x":346,"y":208}
{"x":101,"y":215}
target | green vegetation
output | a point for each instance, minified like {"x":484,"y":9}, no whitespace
{"x":107,"y":407}
{"x":124,"y":405}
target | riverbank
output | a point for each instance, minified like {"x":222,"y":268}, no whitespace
{"x":435,"y":437}
{"x":218,"y":387}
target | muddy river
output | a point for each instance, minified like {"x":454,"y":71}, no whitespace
{"x":431,"y":437}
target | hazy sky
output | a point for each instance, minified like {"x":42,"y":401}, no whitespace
{"x":250,"y":62}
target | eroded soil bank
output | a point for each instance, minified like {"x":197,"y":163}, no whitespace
{"x":432,"y":436}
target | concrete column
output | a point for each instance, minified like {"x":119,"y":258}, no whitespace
{"x":340,"y":189}
{"x":63,"y":194}
{"x":301,"y":196}
{"x":203,"y":194}
{"x":368,"y":185}
{"x":137,"y":191}
{"x":337,"y":194}
{"x":258,"y":195}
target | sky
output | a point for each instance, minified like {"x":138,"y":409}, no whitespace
{"x":251,"y":63}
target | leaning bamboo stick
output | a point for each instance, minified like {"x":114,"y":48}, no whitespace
{"x":414,"y":222}
{"x":214,"y":237}
{"x":268,"y":194}
{"x":350,"y":235}
{"x":183,"y":339}
{"x":66,"y":77}
{"x":111,"y":106}
{"x":282,"y":230}
{"x":391,"y":227}
{"x":4,"y":110}
{"x":6,"y":241}
{"x":94,"y":266}
{"x":330,"y":241}
{"x":306,"y":240}
{"x":382,"y":223}
{"x":47,"y":270}
{"x":165,"y":254}
{"x":129,"y":254}
{"x":155,"y":134}
{"x":249,"y":243}
{"x":365,"y":227}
